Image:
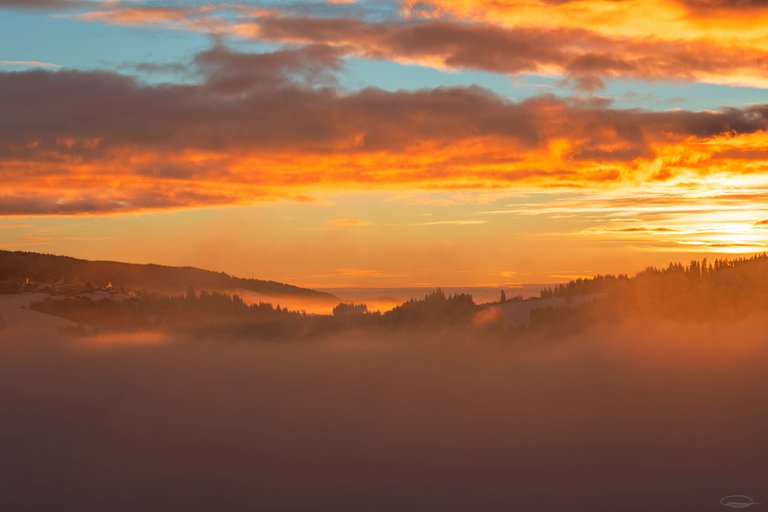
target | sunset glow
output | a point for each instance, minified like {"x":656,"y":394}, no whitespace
{"x":383,"y":255}
{"x":418,"y":143}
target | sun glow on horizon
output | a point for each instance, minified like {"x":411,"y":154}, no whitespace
{"x":360,"y":144}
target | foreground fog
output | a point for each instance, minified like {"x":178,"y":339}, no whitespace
{"x":636,"y":417}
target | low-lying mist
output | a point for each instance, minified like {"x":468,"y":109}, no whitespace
{"x":630,"y":416}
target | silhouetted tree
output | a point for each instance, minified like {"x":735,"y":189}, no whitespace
{"x":350,"y":310}
{"x":700,"y":290}
{"x":207,"y":312}
{"x":434,"y":308}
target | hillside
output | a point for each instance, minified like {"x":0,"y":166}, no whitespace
{"x":46,"y":268}
{"x":702,"y":291}
{"x":734,"y":283}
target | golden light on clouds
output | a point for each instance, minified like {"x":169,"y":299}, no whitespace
{"x":587,"y":41}
{"x":711,"y":215}
{"x":133,"y":179}
{"x":642,"y":19}
{"x":543,"y":127}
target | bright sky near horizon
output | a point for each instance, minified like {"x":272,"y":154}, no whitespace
{"x":385,"y":143}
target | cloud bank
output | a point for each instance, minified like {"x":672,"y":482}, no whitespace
{"x":275,"y":126}
{"x":586,"y":42}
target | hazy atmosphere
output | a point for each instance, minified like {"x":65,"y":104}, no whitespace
{"x":383,"y":255}
{"x":664,"y":420}
{"x":438,"y":143}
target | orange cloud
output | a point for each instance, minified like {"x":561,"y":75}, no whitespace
{"x":345,"y":223}
{"x":256,"y":129}
{"x":717,"y":41}
{"x":203,"y":18}
{"x":585,"y":56}
{"x":640,"y":19}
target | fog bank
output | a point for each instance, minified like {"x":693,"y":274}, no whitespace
{"x":635,"y":417}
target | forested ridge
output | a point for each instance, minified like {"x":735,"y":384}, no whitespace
{"x":18,"y":267}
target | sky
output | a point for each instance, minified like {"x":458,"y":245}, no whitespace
{"x":375,"y":143}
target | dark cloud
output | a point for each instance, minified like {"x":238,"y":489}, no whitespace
{"x":112,"y":201}
{"x":230,"y":72}
{"x":586,"y":57}
{"x":44,"y":4}
{"x":90,"y":130}
{"x":483,"y":47}
{"x":254,"y":100}
{"x":725,"y":4}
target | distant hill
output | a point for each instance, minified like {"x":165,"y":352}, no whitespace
{"x":725,"y":280}
{"x":702,"y":291}
{"x":47,"y":268}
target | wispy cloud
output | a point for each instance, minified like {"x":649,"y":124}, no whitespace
{"x":347,"y":223}
{"x":29,"y":64}
{"x":585,"y":43}
{"x":461,"y":222}
{"x":708,"y":215}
